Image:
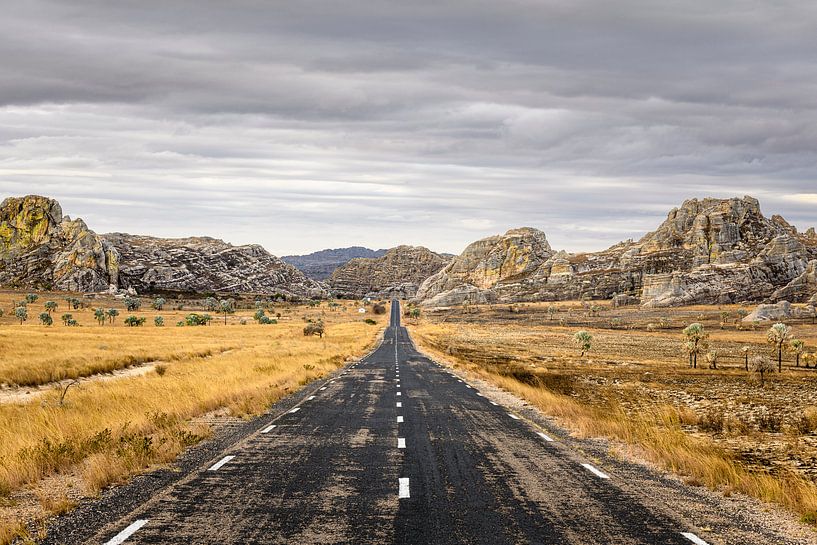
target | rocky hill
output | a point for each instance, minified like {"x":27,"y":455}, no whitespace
{"x":320,"y":265}
{"x":42,"y":249}
{"x":706,"y":251}
{"x":203,"y":264}
{"x":398,"y":273}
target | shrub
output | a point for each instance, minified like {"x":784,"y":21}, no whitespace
{"x":50,"y":306}
{"x":133,"y":303}
{"x":21,"y":313}
{"x":583,"y":340}
{"x":66,"y":317}
{"x":379,"y":309}
{"x":160,"y":369}
{"x":32,"y":298}
{"x":133,"y":321}
{"x":112,"y":314}
{"x":45,"y":319}
{"x":158,"y":321}
{"x":99,"y":314}
{"x":314,"y":329}
{"x":159,"y":303}
{"x":777,"y":336}
{"x":197,"y":319}
{"x":370,"y":321}
{"x":696,"y":342}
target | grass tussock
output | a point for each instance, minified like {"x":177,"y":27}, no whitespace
{"x":657,"y":434}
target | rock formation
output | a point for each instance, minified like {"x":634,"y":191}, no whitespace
{"x":320,"y":265}
{"x":397,"y":273}
{"x":706,"y":251}
{"x":203,"y":264}
{"x":765,"y":313}
{"x":42,"y":249}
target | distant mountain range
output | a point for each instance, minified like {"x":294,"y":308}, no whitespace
{"x":320,"y":265}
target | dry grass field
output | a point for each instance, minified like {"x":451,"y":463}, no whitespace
{"x":108,"y":427}
{"x":716,"y":427}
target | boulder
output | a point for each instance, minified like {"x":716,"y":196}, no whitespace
{"x":775,"y":312}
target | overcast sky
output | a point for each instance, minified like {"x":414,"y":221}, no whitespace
{"x":309,"y":124}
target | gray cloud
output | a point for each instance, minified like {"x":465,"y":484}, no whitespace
{"x":303,"y":125}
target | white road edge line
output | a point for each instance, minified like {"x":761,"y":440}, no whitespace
{"x":399,"y":419}
{"x":693,"y":538}
{"x":218,"y":465}
{"x":545,"y":437}
{"x":295,"y":410}
{"x":596,"y":472}
{"x":401,"y":442}
{"x":126,"y":533}
{"x":268,"y":428}
{"x":403,"y":488}
{"x":513,"y":416}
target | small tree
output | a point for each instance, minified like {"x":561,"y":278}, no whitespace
{"x":159,"y":303}
{"x":226,"y":306}
{"x":158,"y":321}
{"x":259,"y":314}
{"x":31,"y":298}
{"x":211,"y":304}
{"x":551,"y":310}
{"x":724,"y":318}
{"x":777,"y":336}
{"x":50,"y":306}
{"x":133,"y":303}
{"x":66,"y":318}
{"x":206,"y":319}
{"x":696,"y":342}
{"x":583,"y":340}
{"x":594,"y":310}
{"x":796,"y":347}
{"x":761,"y":364}
{"x":712,"y":359}
{"x":45,"y":319}
{"x":314,"y":329}
{"x":112,"y":314}
{"x":99,"y":314}
{"x":21,"y":313}
{"x":379,"y":309}
{"x":74,"y":303}
{"x":745,"y":351}
{"x":133,"y":321}
{"x":809,"y":359}
{"x":415,"y":312}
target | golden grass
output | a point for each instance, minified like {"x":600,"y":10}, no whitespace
{"x":655,"y":434}
{"x":108,"y":430}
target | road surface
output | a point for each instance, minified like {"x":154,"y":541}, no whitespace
{"x":398,"y":450}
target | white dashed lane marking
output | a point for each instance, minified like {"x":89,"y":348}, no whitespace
{"x":513,"y":416}
{"x":694,"y":539}
{"x":399,"y":419}
{"x":398,"y":393}
{"x":126,"y":533}
{"x":543,"y":436}
{"x":596,"y":472}
{"x":218,"y":465}
{"x":401,"y":442}
{"x":310,"y":398}
{"x":403,"y":488}
{"x":295,"y":410}
{"x":323,"y":388}
{"x":399,"y":404}
{"x":268,"y":428}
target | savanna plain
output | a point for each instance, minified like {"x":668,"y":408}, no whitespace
{"x":89,"y":400}
{"x":630,"y":376}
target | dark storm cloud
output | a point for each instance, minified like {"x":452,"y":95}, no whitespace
{"x":302,"y":125}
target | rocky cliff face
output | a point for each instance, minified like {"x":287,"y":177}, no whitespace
{"x":320,"y":265}
{"x":706,"y":251}
{"x":42,"y":249}
{"x":203,"y":264}
{"x":397,"y":273}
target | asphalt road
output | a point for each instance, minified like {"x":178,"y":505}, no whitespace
{"x":397,"y":450}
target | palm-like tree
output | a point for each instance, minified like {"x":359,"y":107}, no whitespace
{"x":777,"y":336}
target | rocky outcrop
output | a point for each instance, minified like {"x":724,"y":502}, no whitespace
{"x":203,"y":264}
{"x":42,"y":249}
{"x":706,"y":251}
{"x":397,"y":273}
{"x":802,"y":289}
{"x":320,"y":265}
{"x":765,"y":313}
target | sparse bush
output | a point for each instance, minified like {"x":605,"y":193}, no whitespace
{"x":712,"y":359}
{"x":314,"y":329}
{"x":769,"y":422}
{"x":796,"y":347}
{"x":713,"y":421}
{"x":160,"y":369}
{"x":134,"y":321}
{"x":379,"y":309}
{"x":583,"y":340}
{"x":370,"y":321}
{"x":197,"y":319}
{"x":551,"y":310}
{"x":66,"y":318}
{"x":159,"y":303}
{"x":259,"y":314}
{"x":761,"y":364}
{"x":415,"y":312}
{"x":158,"y":321}
{"x":211,"y":304}
{"x":31,"y":298}
{"x":21,"y":313}
{"x":45,"y":319}
{"x":133,"y":304}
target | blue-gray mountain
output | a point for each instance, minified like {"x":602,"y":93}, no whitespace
{"x":320,"y":265}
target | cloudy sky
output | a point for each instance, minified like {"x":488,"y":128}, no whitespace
{"x":309,"y":124}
